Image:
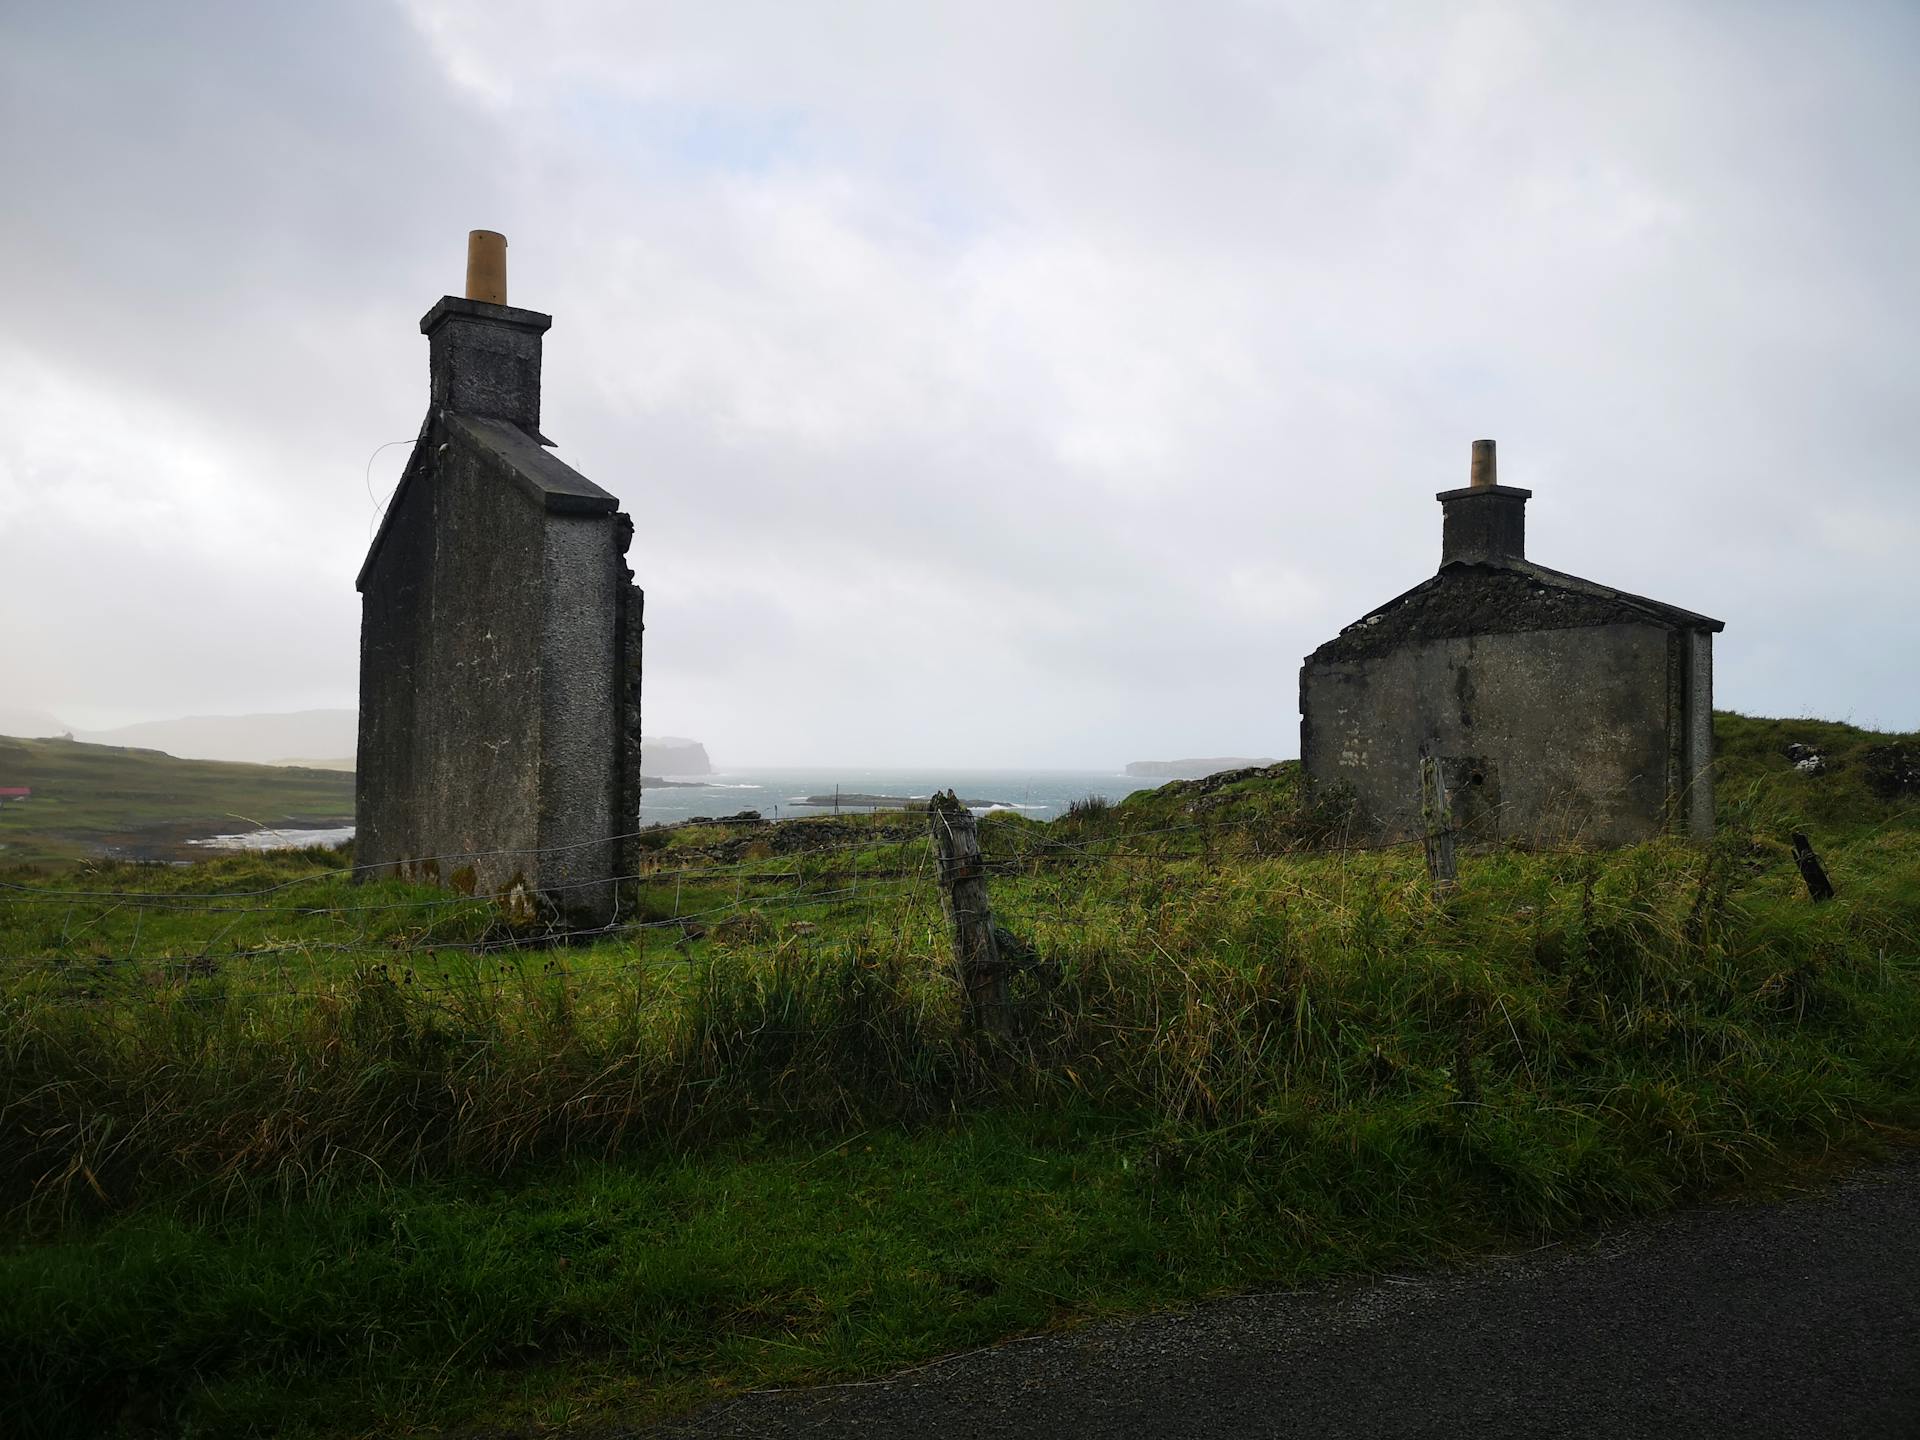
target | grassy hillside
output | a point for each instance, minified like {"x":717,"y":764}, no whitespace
{"x":288,"y":1155}
{"x":90,"y":800}
{"x":1861,"y":779}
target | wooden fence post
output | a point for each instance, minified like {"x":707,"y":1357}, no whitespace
{"x":1811,"y":870}
{"x":963,"y":895}
{"x":1436,"y":815}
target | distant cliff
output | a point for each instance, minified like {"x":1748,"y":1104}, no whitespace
{"x":1191,"y":769}
{"x":671,"y":755}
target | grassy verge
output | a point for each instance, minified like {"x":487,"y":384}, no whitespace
{"x":330,"y":1159}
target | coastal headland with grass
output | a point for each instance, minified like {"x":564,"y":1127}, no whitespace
{"x":91,"y":802}
{"x":286,"y":1153}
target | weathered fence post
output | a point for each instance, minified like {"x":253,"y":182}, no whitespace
{"x":1436,"y":815}
{"x":1811,"y":870}
{"x":963,"y":895}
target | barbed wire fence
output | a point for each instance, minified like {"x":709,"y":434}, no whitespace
{"x":870,"y":871}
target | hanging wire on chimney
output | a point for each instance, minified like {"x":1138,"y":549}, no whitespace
{"x":380,"y":506}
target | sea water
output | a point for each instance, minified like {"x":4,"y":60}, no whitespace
{"x":777,"y":792}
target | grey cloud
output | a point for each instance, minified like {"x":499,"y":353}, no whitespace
{"x":1128,"y":344}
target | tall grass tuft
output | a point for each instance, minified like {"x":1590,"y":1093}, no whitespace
{"x":1660,"y":994}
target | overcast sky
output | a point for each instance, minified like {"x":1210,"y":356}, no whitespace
{"x":1016,"y":384}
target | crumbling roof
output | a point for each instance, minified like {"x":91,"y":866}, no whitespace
{"x":1500,"y":599}
{"x":543,"y":478}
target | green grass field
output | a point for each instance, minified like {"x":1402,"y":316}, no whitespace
{"x":95,"y":799}
{"x":288,"y":1155}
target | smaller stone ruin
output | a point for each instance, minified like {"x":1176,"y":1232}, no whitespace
{"x":1558,"y":709}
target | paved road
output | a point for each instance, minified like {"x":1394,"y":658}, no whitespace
{"x":1797,"y":1319}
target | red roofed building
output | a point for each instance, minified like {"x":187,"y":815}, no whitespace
{"x":14,"y":792}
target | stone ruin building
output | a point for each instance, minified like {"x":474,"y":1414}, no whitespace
{"x":1557,"y":709}
{"x":499,"y":748}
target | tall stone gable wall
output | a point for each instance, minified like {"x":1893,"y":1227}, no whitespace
{"x":450,"y":664}
{"x":500,"y":647}
{"x":1576,"y":735}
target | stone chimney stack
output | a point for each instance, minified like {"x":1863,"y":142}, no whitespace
{"x":1486,"y":523}
{"x":484,"y":355}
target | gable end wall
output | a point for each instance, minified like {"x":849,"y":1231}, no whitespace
{"x":1572,"y":729}
{"x":492,"y":686}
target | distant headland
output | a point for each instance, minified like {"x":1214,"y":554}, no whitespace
{"x":672,"y":755}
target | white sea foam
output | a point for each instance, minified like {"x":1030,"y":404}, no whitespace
{"x":277,"y":839}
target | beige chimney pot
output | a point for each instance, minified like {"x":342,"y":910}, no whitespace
{"x":487,"y":266}
{"x":1483,"y":473}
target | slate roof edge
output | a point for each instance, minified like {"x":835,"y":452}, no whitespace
{"x":414,"y":460}
{"x":543,"y":478}
{"x":1684,"y":619}
{"x":1658,"y":610}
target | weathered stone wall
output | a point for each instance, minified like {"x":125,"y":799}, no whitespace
{"x":1695,"y":786}
{"x":631,"y":630}
{"x":397,"y":588}
{"x":452,"y":639}
{"x":580,"y":777}
{"x":1569,"y":732}
{"x":499,"y":659}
